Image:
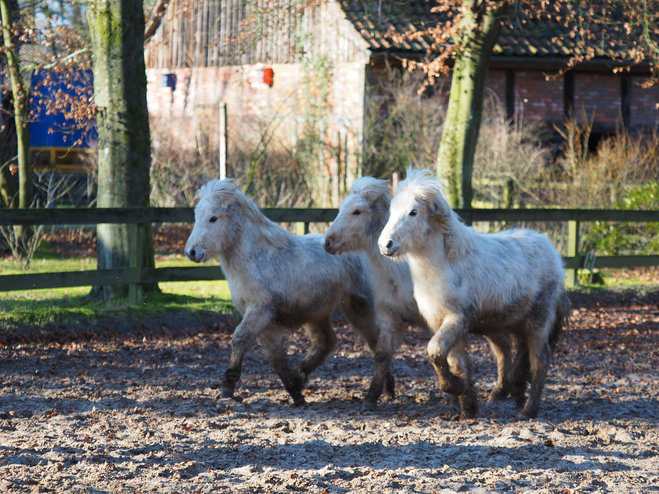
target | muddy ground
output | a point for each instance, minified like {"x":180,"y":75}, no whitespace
{"x":139,"y":412}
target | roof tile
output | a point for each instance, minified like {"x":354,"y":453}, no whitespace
{"x":390,"y":25}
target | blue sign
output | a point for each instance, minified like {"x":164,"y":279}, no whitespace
{"x":53,"y":129}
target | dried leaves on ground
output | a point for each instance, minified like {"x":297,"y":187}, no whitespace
{"x":140,"y":413}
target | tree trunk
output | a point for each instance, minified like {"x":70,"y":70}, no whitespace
{"x":8,"y":191}
{"x":20,"y":95}
{"x":124,"y":141}
{"x":457,"y":147}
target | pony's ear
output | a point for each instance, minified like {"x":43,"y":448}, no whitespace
{"x":203,"y":190}
{"x":439,"y":211}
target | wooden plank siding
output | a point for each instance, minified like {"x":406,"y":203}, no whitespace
{"x":217,"y":33}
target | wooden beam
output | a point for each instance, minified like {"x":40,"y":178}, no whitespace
{"x":571,"y":274}
{"x":192,"y":273}
{"x":65,"y":279}
{"x":94,"y":216}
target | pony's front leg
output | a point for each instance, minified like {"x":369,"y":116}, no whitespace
{"x":253,"y":323}
{"x":445,"y":351}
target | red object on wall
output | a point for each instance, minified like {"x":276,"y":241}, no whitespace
{"x":268,"y":76}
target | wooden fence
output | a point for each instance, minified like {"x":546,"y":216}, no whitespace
{"x":136,"y":275}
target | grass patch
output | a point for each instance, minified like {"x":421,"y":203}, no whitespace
{"x":62,"y":306}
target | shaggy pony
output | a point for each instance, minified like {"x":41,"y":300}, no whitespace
{"x":278,"y":280}
{"x":480,"y":283}
{"x":362,"y":216}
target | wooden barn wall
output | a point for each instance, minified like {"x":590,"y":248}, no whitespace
{"x":215,"y":33}
{"x":192,"y":108}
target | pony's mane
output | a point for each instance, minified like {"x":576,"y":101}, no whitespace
{"x":376,"y":193}
{"x":227,"y":192}
{"x":423,"y":184}
{"x":458,"y":238}
{"x":370,"y":188}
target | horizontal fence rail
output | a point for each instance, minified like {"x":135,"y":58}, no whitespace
{"x":135,"y":275}
{"x":301,"y":215}
{"x":146,"y":215}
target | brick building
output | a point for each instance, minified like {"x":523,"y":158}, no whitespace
{"x":204,"y":52}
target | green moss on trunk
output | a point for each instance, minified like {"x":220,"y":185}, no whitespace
{"x":8,"y":190}
{"x":124,"y":142}
{"x":463,"y":117}
{"x":20,"y":95}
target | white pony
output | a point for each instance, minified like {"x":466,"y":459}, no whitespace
{"x":278,"y":280}
{"x":481,"y":283}
{"x":357,"y":227}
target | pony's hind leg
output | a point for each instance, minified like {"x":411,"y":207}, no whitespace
{"x":388,"y":341}
{"x":323,"y":341}
{"x":539,"y":355}
{"x":360,"y":311}
{"x":520,"y":373}
{"x":272,"y":343}
{"x":254,"y":322}
{"x":501,"y":346}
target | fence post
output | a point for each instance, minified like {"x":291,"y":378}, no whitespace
{"x":509,"y":194}
{"x":136,"y":239}
{"x":572,"y":279}
{"x":223,"y":141}
{"x":302,"y":228}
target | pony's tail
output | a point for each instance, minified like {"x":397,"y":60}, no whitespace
{"x":562,"y":319}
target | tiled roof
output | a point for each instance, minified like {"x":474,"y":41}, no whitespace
{"x":385,"y":24}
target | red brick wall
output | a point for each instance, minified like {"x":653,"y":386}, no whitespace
{"x":644,"y":112}
{"x":598,"y":93}
{"x":538,"y":97}
{"x":496,"y":87}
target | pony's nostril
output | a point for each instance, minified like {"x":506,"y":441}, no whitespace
{"x":390,"y":244}
{"x":192,"y":253}
{"x":328,"y":243}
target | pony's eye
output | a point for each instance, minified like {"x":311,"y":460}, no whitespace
{"x":414,"y":212}
{"x":213,"y":219}
{"x":356,"y":212}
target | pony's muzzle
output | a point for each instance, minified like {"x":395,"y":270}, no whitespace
{"x":195,"y":254}
{"x":329,"y":247}
{"x":389,"y":249}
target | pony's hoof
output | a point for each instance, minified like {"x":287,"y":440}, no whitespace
{"x":299,"y":402}
{"x":226,"y":394}
{"x":527,"y":414}
{"x":390,"y":386}
{"x":468,"y":407}
{"x":369,"y":406}
{"x":497,"y":394}
{"x":519,"y":401}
